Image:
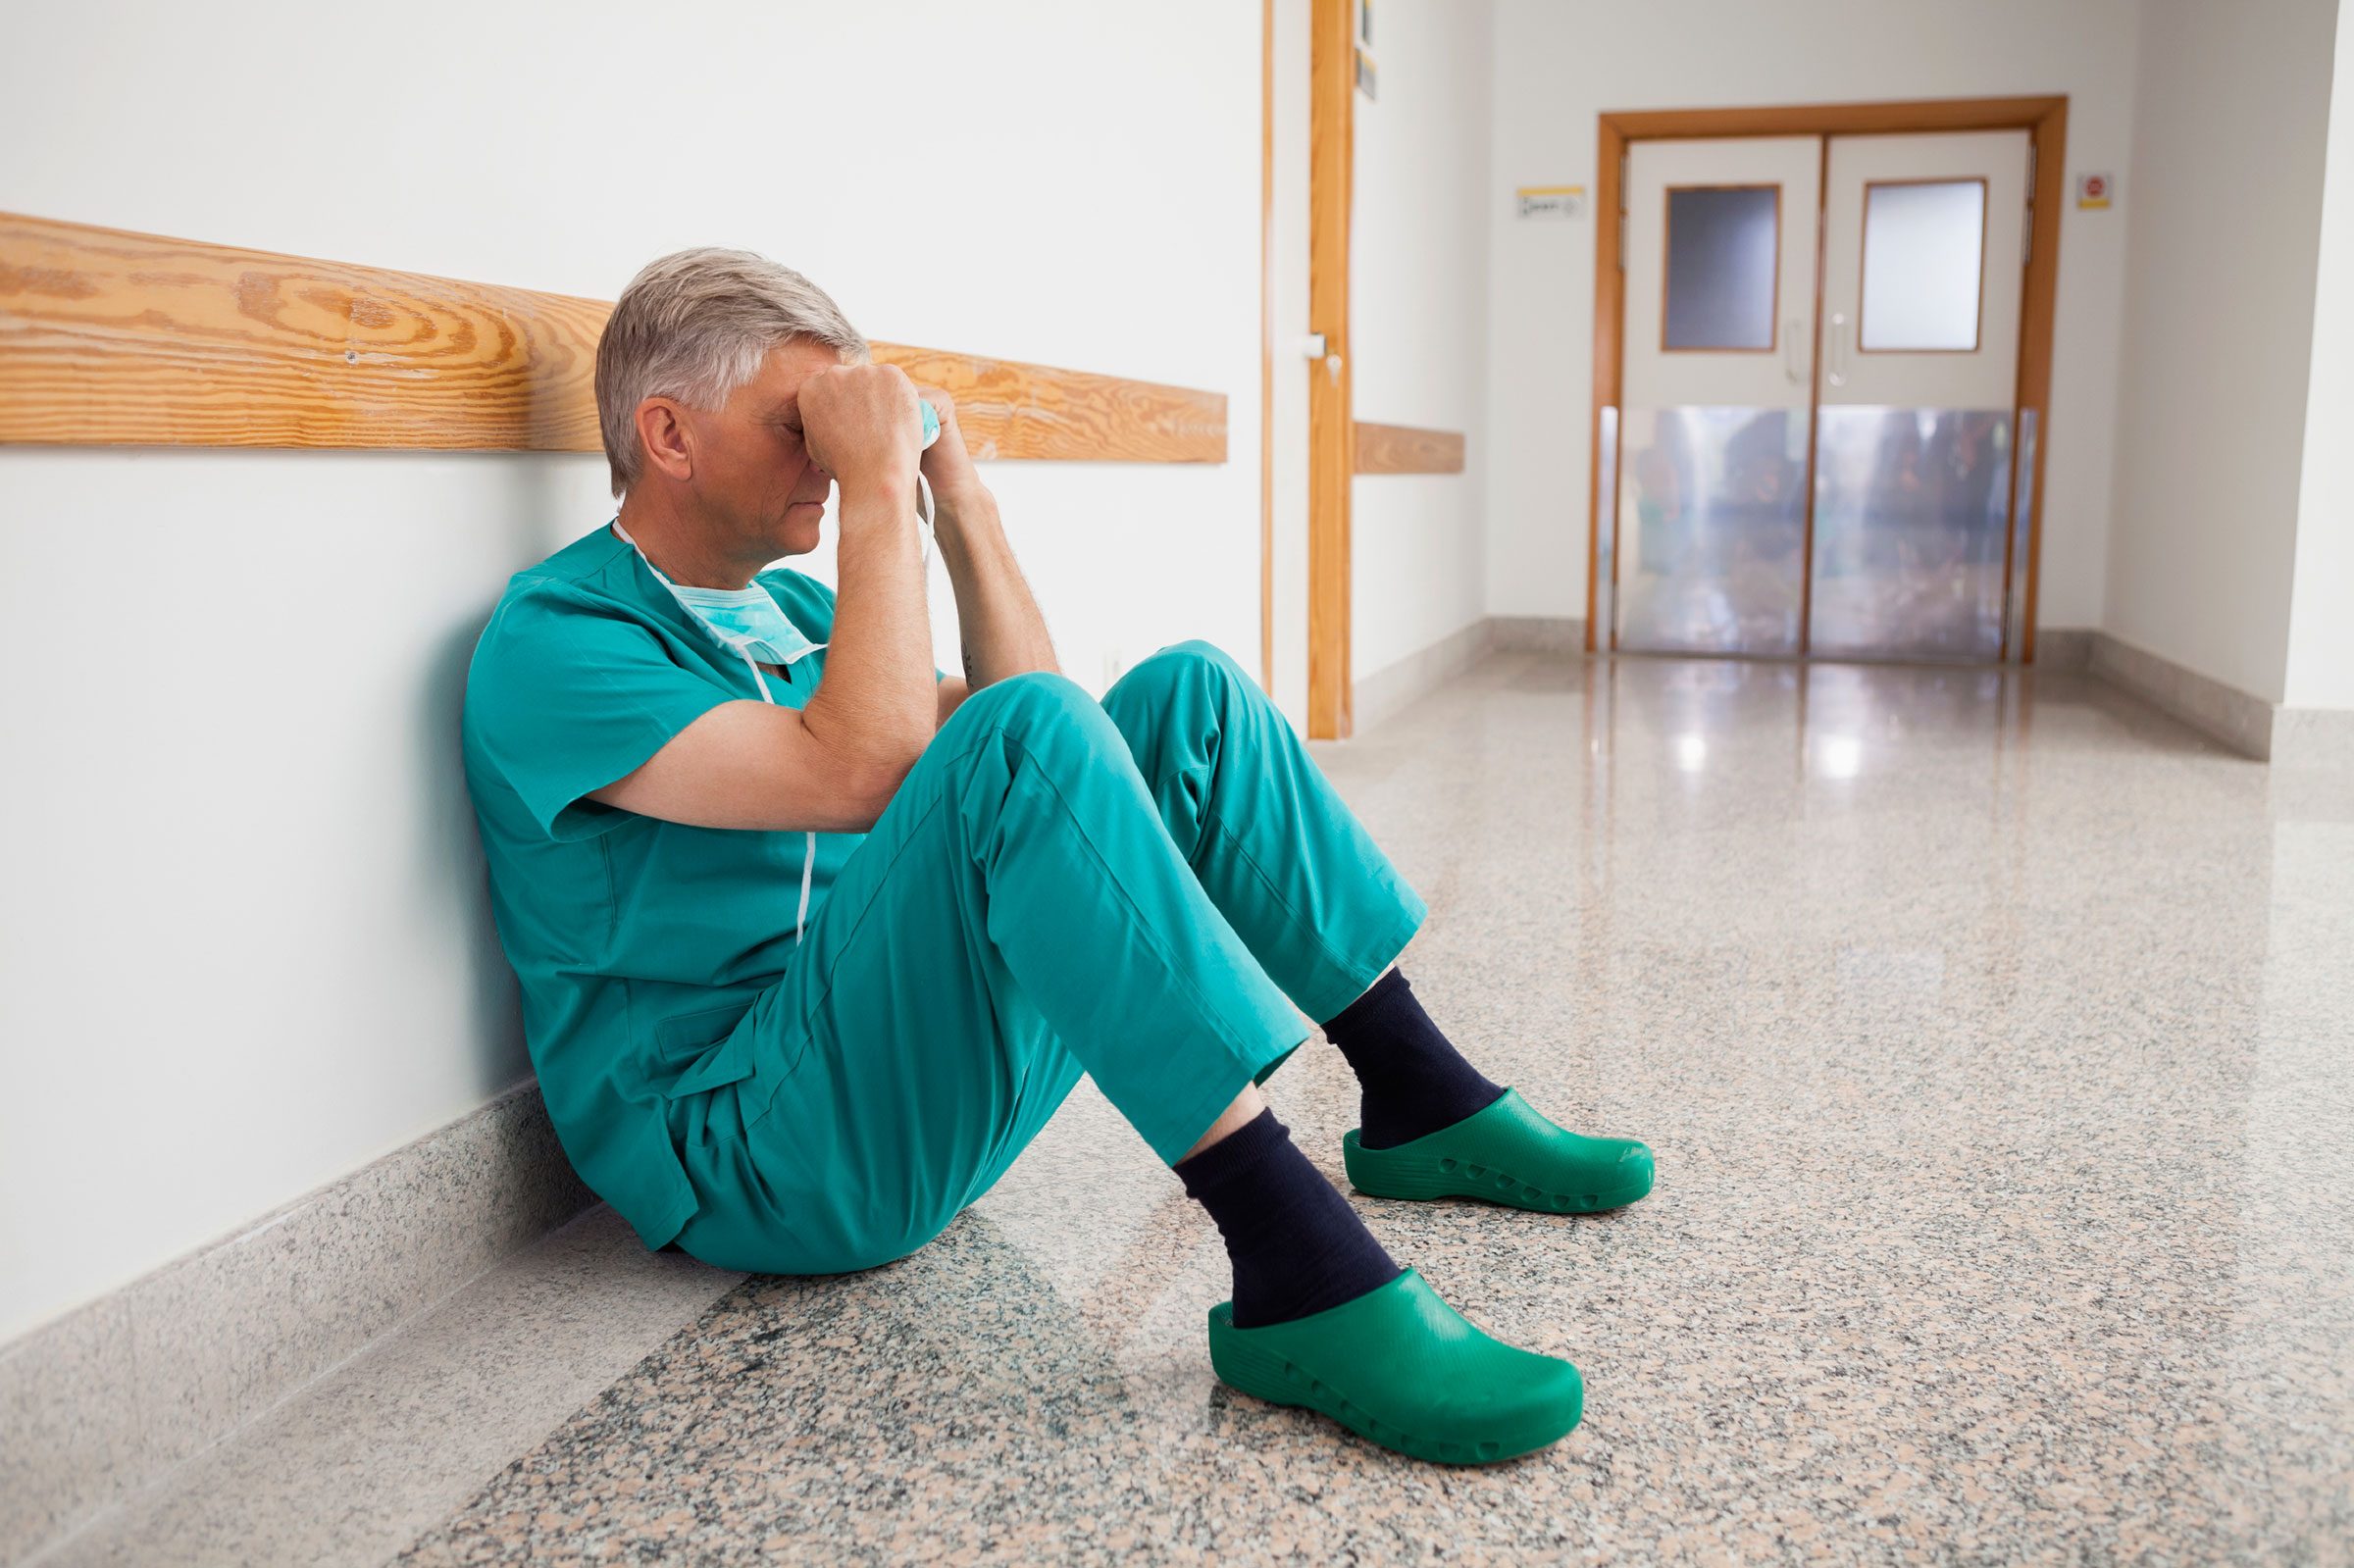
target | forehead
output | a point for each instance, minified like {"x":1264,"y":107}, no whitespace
{"x":787,"y":365}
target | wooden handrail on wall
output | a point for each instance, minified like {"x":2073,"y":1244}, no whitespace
{"x":109,"y":337}
{"x":1406,"y":449}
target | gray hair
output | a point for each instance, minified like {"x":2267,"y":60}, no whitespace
{"x":695,"y":326}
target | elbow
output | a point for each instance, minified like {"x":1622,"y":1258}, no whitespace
{"x":868,"y":756}
{"x":874,"y":780}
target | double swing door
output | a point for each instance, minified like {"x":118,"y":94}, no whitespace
{"x":1818,"y":446}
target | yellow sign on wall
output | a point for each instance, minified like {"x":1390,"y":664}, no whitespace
{"x":1551,"y":201}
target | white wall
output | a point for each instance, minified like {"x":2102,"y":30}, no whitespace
{"x":1417,"y":320}
{"x":1293,"y":110}
{"x":1560,"y":63}
{"x":2232,"y":117}
{"x":246,"y":942}
{"x":2320,"y":625}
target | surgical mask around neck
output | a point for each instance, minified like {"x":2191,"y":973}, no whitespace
{"x":748,"y":620}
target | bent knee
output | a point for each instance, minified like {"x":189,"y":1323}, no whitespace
{"x":1195,"y":655}
{"x":1034,"y":700}
{"x":1030,"y":697}
{"x":1194,"y":661}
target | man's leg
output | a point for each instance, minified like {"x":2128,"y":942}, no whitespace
{"x":1278,"y":852}
{"x":1018,"y":914}
{"x":1015,"y":917}
{"x":1324,"y":912}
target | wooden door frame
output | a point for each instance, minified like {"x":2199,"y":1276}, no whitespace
{"x":2044,"y":120}
{"x":1331,"y":415}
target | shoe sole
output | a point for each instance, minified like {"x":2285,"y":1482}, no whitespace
{"x":1264,"y":1375}
{"x":1448,"y":1178}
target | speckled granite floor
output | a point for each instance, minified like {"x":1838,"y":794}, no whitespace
{"x":1996,"y":1041}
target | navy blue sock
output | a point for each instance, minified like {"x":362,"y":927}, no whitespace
{"x":1297,"y":1246}
{"x":1411,"y":1081}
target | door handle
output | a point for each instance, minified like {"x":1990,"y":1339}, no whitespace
{"x":1790,"y":365}
{"x":1835,"y":371}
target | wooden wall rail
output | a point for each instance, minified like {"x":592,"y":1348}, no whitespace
{"x":1404,"y":449}
{"x":115,"y":338}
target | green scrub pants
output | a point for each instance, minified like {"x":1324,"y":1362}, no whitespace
{"x":1129,"y":888}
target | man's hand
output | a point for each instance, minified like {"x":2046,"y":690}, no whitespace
{"x":955,"y":483}
{"x":1003,"y":632}
{"x":862,"y":426}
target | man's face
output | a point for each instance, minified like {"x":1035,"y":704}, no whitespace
{"x":752,"y":472}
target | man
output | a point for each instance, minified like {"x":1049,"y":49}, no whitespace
{"x":813,"y":937}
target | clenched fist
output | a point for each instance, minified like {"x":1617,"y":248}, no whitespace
{"x":862,"y":425}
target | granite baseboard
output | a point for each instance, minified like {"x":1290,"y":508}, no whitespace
{"x":2318,"y":739}
{"x":2321,"y":738}
{"x":2063,"y":647}
{"x":110,"y":1397}
{"x":2238,"y":719}
{"x":1539,"y":634}
{"x":1396,"y":686}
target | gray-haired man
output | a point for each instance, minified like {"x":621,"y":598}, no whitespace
{"x":814,"y":937}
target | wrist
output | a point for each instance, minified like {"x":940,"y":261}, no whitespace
{"x":875,"y":492}
{"x":968,"y":502}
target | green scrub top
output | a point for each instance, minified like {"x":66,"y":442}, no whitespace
{"x":638,"y":942}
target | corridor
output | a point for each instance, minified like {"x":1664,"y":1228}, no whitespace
{"x":1984,"y":1027}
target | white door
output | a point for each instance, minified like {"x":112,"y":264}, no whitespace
{"x":1708,"y":552}
{"x":1922,"y":271}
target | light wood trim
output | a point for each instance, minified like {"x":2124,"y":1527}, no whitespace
{"x":1834,"y":118}
{"x":1008,"y":409}
{"x":2045,"y":119}
{"x":1407,"y":449}
{"x":1331,"y":425}
{"x":109,"y":337}
{"x":1609,"y":292}
{"x":1267,"y":345}
{"x":2038,"y":297}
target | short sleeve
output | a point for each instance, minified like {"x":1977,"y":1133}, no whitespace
{"x":567,"y":694}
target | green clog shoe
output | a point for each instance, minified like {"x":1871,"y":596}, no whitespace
{"x":1400,"y":1366}
{"x":1506,"y":1153}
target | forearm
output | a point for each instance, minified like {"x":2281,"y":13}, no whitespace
{"x":875,"y":706}
{"x":1002,"y":631}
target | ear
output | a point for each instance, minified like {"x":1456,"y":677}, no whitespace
{"x":663,"y":438}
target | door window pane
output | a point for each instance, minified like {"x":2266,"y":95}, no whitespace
{"x":1724,"y":244}
{"x":1924,"y":247}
